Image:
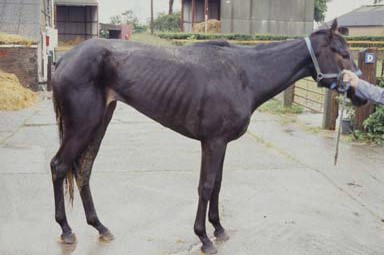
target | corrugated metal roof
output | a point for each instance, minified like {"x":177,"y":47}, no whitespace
{"x":77,"y":2}
{"x":368,"y":15}
{"x":21,"y":17}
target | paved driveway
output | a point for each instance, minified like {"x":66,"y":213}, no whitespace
{"x":280,"y":195}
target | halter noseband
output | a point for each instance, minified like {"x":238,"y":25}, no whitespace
{"x":319,"y":74}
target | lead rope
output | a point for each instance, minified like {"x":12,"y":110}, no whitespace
{"x":345,"y":89}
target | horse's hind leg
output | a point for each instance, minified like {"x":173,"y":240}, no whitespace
{"x":84,"y":166}
{"x":59,"y":170}
{"x":83,"y":114}
{"x":60,"y":165}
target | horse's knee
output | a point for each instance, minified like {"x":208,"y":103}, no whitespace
{"x":205,"y":191}
{"x":58,"y":170}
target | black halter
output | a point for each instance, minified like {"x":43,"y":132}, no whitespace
{"x":337,"y":85}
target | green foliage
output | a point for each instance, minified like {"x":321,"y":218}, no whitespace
{"x":320,"y":9}
{"x":275,"y":106}
{"x":104,"y":34}
{"x":139,"y":28}
{"x":380,"y":82}
{"x":116,"y":20}
{"x":167,"y":22}
{"x":128,"y":17}
{"x":240,"y":37}
{"x":374,"y":125}
{"x":258,"y":37}
{"x":364,"y":38}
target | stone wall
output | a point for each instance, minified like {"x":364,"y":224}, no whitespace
{"x":21,"y":61}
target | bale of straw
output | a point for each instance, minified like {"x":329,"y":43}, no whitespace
{"x":69,"y":44}
{"x":72,"y":42}
{"x":15,"y":39}
{"x":13,"y":96}
{"x":214,"y":26}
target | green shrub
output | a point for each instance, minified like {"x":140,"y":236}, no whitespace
{"x":380,"y":82}
{"x":261,"y":37}
{"x":240,"y":37}
{"x":127,"y":17}
{"x":374,"y":125}
{"x":167,"y":23}
{"x":365,"y":38}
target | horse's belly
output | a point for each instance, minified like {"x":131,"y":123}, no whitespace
{"x":179,"y":113}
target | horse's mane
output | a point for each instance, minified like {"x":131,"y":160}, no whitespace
{"x":219,"y":43}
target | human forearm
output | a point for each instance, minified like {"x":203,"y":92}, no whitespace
{"x":367,"y":91}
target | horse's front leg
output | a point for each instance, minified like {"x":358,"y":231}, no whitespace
{"x":212,"y":156}
{"x":213,"y":214}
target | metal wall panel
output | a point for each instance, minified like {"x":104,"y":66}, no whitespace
{"x":76,"y":22}
{"x":286,"y":17}
{"x":21,"y":17}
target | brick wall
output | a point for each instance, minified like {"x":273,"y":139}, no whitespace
{"x":21,"y":61}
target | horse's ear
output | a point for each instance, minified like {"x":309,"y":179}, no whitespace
{"x":334,"y":26}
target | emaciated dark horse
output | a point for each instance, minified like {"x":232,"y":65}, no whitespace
{"x":206,"y":91}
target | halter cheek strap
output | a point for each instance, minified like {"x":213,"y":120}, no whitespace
{"x":319,"y":74}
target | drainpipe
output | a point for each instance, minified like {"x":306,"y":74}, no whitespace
{"x":182,"y":17}
{"x":206,"y":16}
{"x":193,"y":14}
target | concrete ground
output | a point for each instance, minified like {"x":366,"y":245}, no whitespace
{"x":281,"y":193}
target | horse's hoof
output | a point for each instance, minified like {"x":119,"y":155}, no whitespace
{"x":68,"y":238}
{"x":208,"y":249}
{"x":106,"y":237}
{"x":221,"y":235}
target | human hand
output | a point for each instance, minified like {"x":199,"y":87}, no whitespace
{"x":350,"y":77}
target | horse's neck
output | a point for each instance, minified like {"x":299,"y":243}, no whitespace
{"x":275,"y":68}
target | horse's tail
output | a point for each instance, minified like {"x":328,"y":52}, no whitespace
{"x":69,"y":180}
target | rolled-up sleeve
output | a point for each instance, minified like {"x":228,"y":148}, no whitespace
{"x":367,"y":91}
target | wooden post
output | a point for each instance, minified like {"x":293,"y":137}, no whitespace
{"x":151,"y":16}
{"x":182,"y":17}
{"x":232,"y":17}
{"x":289,"y":95}
{"x":193,"y":14}
{"x":331,"y":110}
{"x":49,"y":73}
{"x":206,"y":16}
{"x":369,"y":74}
{"x":170,"y":10}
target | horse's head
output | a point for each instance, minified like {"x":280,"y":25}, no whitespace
{"x":331,"y":51}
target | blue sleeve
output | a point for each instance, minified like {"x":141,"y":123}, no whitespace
{"x":371,"y":92}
